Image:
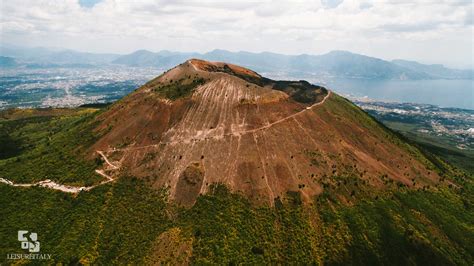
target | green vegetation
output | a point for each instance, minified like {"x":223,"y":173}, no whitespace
{"x":111,"y":224}
{"x":122,"y":222}
{"x":408,"y":228}
{"x":417,"y":130}
{"x":439,"y":145}
{"x":118,"y":224}
{"x":300,"y":91}
{"x":344,"y":109}
{"x":35,"y":148}
{"x":176,"y":89}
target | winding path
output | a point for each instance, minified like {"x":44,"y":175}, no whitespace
{"x":64,"y":188}
{"x":237,"y":133}
{"x":75,"y":189}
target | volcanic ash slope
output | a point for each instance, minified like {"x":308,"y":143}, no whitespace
{"x":205,"y":122}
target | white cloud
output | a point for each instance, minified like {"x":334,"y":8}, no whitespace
{"x":331,"y":3}
{"x":380,"y":28}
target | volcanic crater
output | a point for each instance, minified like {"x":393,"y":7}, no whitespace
{"x":202,"y":123}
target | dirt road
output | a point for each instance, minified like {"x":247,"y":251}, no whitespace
{"x":64,"y":188}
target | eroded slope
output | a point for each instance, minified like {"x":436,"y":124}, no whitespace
{"x":203,"y":123}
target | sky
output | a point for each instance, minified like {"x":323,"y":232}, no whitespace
{"x":429,"y":31}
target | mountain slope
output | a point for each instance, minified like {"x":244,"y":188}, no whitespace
{"x":138,"y":58}
{"x":346,"y":64}
{"x":436,"y":71}
{"x":203,"y":123}
{"x":347,"y":191}
{"x":162,"y":59}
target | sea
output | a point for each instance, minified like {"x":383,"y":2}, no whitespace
{"x":69,"y":87}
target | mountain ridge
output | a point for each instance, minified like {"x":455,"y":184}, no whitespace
{"x":436,"y":70}
{"x":342,"y":64}
{"x":338,"y":63}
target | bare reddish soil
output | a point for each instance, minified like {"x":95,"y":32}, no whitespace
{"x":255,"y":139}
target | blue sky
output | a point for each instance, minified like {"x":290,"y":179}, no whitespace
{"x":88,"y":3}
{"x":424,"y":30}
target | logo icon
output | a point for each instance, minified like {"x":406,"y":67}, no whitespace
{"x":29,"y":241}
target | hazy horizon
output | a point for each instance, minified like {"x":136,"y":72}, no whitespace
{"x":235,"y":51}
{"x":423,"y":31}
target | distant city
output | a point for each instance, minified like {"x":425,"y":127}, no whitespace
{"x":399,"y":91}
{"x":453,"y":124}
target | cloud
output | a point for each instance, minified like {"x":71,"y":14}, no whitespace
{"x":365,"y":5}
{"x":88,"y":3}
{"x":411,"y":27}
{"x":469,"y":19}
{"x":331,"y":3}
{"x":299,"y":26}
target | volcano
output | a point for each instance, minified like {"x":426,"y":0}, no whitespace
{"x":202,"y":123}
{"x":211,"y":163}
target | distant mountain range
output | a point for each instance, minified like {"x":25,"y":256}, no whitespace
{"x":435,"y":71}
{"x":338,"y":64}
{"x":7,"y":62}
{"x":47,"y":56}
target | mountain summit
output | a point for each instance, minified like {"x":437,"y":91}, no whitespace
{"x":209,"y":122}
